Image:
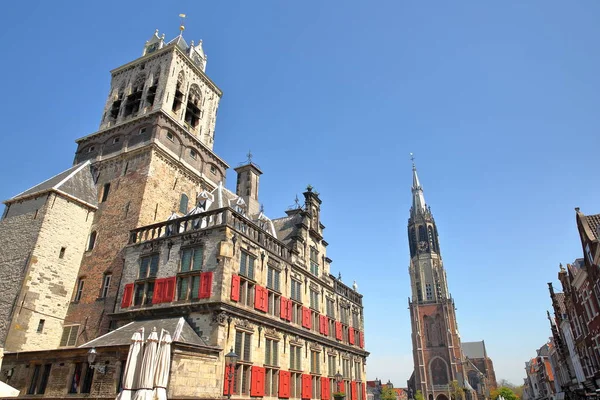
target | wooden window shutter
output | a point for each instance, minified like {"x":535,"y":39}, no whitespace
{"x":326,"y":326}
{"x":265,"y":300}
{"x":206,"y":279}
{"x":289,"y":310}
{"x":257,"y":388}
{"x":227,"y":383}
{"x":283,"y":308}
{"x":284,"y":384}
{"x":235,"y":287}
{"x":169,"y":290}
{"x":258,"y":293}
{"x":127,"y":295}
{"x":361,"y":339}
{"x":159,"y":291}
{"x":306,"y":386}
{"x":353,"y":390}
{"x":351,"y":335}
{"x":338,"y":330}
{"x":325,"y":388}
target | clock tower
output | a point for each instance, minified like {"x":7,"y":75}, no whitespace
{"x":436,"y":342}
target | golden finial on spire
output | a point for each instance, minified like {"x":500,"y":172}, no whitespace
{"x":182,"y":27}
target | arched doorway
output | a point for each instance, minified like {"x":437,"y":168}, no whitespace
{"x":441,"y":397}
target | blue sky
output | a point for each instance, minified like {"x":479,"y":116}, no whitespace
{"x":498,"y":101}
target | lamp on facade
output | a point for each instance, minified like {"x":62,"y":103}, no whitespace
{"x":338,"y":380}
{"x":230,"y":361}
{"x":92,"y":354}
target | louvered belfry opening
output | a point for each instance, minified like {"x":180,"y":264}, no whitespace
{"x":192,"y":110}
{"x":151,"y":95}
{"x":116,"y":106}
{"x":134,"y":100}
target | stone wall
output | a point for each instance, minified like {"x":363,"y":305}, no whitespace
{"x":48,"y":284}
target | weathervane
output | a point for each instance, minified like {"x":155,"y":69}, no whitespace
{"x":182,"y":26}
{"x":412,"y":158}
{"x":249,"y":155}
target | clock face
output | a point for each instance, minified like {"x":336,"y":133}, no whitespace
{"x":423,"y":245}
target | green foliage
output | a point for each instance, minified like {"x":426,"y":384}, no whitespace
{"x":505,"y":392}
{"x":387,"y":393}
{"x":456,"y":392}
{"x":419,"y":395}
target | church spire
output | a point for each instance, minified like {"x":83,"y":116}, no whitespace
{"x":418,"y":200}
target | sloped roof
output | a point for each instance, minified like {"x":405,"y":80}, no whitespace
{"x":473,"y":349}
{"x":122,"y":335}
{"x":593,"y":222}
{"x":285,"y":227}
{"x":76,"y":182}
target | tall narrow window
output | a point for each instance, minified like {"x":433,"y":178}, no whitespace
{"x":40,"y":327}
{"x":314,"y":261}
{"x":105,"y":192}
{"x":76,"y":379}
{"x":105,"y":285}
{"x":91,"y":241}
{"x":314,"y":299}
{"x":79,"y":291}
{"x":271,"y":352}
{"x":178,"y":98}
{"x":69,"y":336}
{"x":192,"y":109}
{"x":243,"y":345}
{"x":34,"y":379}
{"x":116,"y":105}
{"x":183,"y":204}
{"x":132,"y":105}
{"x":296,"y":291}
{"x":273,"y":278}
{"x":148,"y":266}
{"x":151,"y":95}
{"x":247,"y":265}
{"x":61,"y":254}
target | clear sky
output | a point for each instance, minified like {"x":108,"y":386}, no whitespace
{"x":498,"y":100}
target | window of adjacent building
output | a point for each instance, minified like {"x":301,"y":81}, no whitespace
{"x":148,"y":266}
{"x":314,"y":299}
{"x":39,"y":379}
{"x":213,"y":170}
{"x":331,"y":365}
{"x":183,"y":204}
{"x":295,"y":385}
{"x":296,"y":313}
{"x":170,"y":136}
{"x":271,"y":352}
{"x":69,"y":336}
{"x":295,"y":357}
{"x":429,"y":291}
{"x":40,"y":327}
{"x":105,"y":191}
{"x":315,"y":364}
{"x":243,"y":345}
{"x":79,"y":291}
{"x":271,"y":382}
{"x":314,"y":261}
{"x":61,"y":253}
{"x":91,"y":241}
{"x":241,"y":380}
{"x":247,"y":265}
{"x":105,"y":285}
{"x":273,"y":278}
{"x":296,"y":290}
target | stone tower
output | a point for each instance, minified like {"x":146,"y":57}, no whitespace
{"x":436,"y":342}
{"x":151,"y":157}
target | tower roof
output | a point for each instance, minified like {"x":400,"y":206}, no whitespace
{"x":418,"y":199}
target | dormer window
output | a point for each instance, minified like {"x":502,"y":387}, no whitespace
{"x":170,"y":136}
{"x":91,"y":149}
{"x":213,"y":170}
{"x":142,"y":131}
{"x":134,"y":100}
{"x":116,"y":140}
{"x":192,"y":109}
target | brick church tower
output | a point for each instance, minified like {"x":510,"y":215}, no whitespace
{"x":436,"y":342}
{"x":151,"y":157}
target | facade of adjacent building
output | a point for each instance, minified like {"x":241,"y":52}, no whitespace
{"x":142,"y":233}
{"x":437,"y":351}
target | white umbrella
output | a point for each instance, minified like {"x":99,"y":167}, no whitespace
{"x":146,"y":381}
{"x":161,"y":378}
{"x":132,"y":366}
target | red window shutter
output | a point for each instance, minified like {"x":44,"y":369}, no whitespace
{"x":257,"y":388}
{"x":258,"y":297}
{"x":306,"y":386}
{"x":338,"y":330}
{"x":289,"y":310}
{"x":305,"y":317}
{"x":206,"y":279}
{"x":351,"y":335}
{"x":169,"y":291}
{"x":159,"y":289}
{"x":326,"y":327}
{"x":228,"y":384}
{"x":235,"y":287}
{"x":353,"y":390}
{"x":325,"y":388}
{"x":127,"y":295}
{"x":283,"y":308}
{"x":265,"y":300}
{"x":284,"y":384}
{"x":342,"y":387}
{"x":361,"y":338}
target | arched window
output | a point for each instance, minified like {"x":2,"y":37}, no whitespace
{"x":183,"y":204}
{"x":135,"y":98}
{"x":151,"y":95}
{"x":412,"y":240}
{"x":192,"y":109}
{"x":422,"y":234}
{"x":116,"y":105}
{"x":439,"y":371}
{"x":431,"y":238}
{"x":92,"y":241}
{"x":178,"y":99}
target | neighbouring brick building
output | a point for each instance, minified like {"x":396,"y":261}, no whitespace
{"x":155,"y":240}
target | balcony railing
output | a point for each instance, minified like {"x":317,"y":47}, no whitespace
{"x":440,"y":388}
{"x":211,"y":219}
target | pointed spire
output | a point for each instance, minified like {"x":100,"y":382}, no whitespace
{"x":418,"y":203}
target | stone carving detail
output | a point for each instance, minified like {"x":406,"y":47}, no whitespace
{"x":272,"y":333}
{"x":244,"y":324}
{"x":315,"y":347}
{"x":297,"y":341}
{"x":220,"y":318}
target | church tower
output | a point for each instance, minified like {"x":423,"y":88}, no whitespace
{"x":436,"y":342}
{"x":150,"y":159}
